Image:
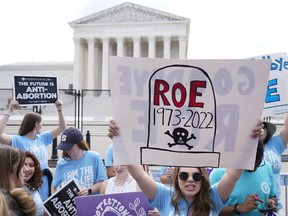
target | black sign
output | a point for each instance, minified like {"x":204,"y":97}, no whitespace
{"x":63,"y":202}
{"x":32,"y":90}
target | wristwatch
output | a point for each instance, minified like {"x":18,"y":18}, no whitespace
{"x":89,"y":191}
{"x":235,"y":211}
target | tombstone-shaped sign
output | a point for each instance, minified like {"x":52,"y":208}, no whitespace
{"x":181,"y":100}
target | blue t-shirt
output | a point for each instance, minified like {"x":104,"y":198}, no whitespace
{"x":272,"y":154}
{"x":38,"y":202}
{"x":260,"y":182}
{"x":86,"y":171}
{"x":109,"y":156}
{"x":162,"y":201}
{"x":38,"y":147}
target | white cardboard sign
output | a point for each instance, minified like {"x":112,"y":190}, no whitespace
{"x":187,"y":112}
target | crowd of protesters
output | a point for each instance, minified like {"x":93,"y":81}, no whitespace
{"x":27,"y":181}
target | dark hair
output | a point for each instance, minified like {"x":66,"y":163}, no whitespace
{"x":36,"y":180}
{"x":267,"y":138}
{"x":28,"y":123}
{"x":259,"y":156}
{"x":82,"y":145}
{"x":202,"y":202}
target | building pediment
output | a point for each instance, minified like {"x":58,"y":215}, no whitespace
{"x":127,"y":13}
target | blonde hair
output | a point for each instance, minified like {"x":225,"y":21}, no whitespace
{"x":9,"y":158}
{"x":25,"y":202}
{"x":4,"y":208}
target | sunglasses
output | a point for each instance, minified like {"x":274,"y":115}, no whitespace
{"x":195,"y":176}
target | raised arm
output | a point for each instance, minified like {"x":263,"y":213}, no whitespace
{"x":61,"y":123}
{"x":228,"y":182}
{"x":5,"y":138}
{"x":284,"y":131}
{"x":144,"y":181}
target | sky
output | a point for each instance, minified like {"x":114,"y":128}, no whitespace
{"x":38,"y":30}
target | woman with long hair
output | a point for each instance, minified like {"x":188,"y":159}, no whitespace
{"x":30,"y":138}
{"x":191,"y":193}
{"x":33,"y":180}
{"x":11,"y":167}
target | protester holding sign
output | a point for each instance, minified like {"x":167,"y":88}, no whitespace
{"x":78,"y":163}
{"x":192,"y":190}
{"x":30,"y":138}
{"x":274,"y":146}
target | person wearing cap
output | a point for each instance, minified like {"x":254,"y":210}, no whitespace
{"x":31,"y":138}
{"x":78,"y":163}
{"x":274,"y":146}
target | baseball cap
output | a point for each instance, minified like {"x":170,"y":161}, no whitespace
{"x":69,"y":137}
{"x":271,"y":128}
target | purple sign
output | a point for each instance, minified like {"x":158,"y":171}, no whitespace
{"x":132,"y":204}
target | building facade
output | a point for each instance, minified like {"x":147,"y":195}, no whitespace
{"x":124,"y":30}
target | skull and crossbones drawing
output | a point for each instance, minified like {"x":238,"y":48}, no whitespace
{"x":180,"y":137}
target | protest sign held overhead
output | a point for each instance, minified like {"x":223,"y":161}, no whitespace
{"x":35,"y":90}
{"x":187,"y":112}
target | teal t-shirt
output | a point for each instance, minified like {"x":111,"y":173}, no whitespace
{"x":260,"y":182}
{"x":86,"y":171}
{"x":272,"y":155}
{"x":162,"y":201}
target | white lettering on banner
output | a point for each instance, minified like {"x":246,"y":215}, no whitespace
{"x":84,"y":179}
{"x":38,"y":83}
{"x":61,"y":209}
{"x":111,"y":205}
{"x":36,"y":96}
{"x":36,"y":89}
{"x":23,"y":83}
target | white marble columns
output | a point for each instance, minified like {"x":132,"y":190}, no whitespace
{"x":91,"y":63}
{"x":167,"y":46}
{"x":105,"y":62}
{"x":151,"y":47}
{"x":92,"y":66}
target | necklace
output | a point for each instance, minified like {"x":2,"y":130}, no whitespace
{"x":117,"y":189}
